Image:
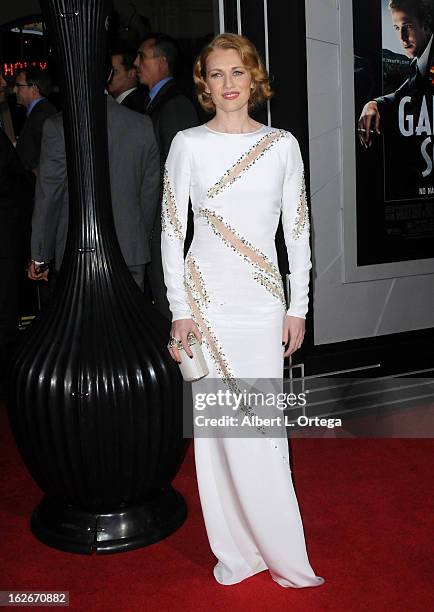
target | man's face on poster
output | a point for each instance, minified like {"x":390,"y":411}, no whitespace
{"x":412,"y":35}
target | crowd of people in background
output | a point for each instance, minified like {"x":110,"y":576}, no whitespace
{"x":145,"y":110}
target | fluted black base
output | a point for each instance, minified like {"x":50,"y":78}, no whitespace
{"x":74,"y":530}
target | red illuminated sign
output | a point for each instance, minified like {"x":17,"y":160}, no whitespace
{"x":11,"y":68}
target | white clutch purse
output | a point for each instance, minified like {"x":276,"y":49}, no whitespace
{"x":192,"y":368}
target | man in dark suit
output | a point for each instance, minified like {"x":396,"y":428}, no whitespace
{"x":170,"y":112}
{"x":412,"y":21}
{"x":135,"y":186}
{"x":32,"y":85}
{"x":123,"y":85}
{"x":16,"y":193}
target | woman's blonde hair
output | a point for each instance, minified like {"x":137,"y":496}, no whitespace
{"x":261,"y":90}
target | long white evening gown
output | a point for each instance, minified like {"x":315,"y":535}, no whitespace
{"x":231,"y":286}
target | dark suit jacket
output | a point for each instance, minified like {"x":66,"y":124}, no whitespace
{"x":415,"y":84}
{"x":16,"y":198}
{"x":135,"y":100}
{"x":170,"y":112}
{"x":29,"y":141}
{"x":134,"y":180}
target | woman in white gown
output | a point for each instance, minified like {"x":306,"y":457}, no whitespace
{"x":240,"y":176}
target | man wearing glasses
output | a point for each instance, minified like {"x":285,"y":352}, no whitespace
{"x":32,"y":86}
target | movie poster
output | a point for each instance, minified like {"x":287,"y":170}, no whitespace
{"x":394,"y":105}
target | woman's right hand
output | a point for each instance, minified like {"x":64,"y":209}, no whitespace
{"x":180,"y":329}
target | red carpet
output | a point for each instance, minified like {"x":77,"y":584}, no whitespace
{"x":367,"y":507}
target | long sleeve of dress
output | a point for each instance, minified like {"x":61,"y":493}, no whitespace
{"x":174,"y":214}
{"x":295,"y":221}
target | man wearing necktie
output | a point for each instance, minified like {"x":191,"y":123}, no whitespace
{"x":412,"y":21}
{"x":170,"y":111}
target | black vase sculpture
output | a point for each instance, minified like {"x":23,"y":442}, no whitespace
{"x":96,"y":400}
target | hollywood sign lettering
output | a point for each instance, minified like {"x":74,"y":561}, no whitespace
{"x":11,"y":68}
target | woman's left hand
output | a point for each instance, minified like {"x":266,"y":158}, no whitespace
{"x":293,"y":332}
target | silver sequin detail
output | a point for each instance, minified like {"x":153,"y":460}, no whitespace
{"x":194,"y":280}
{"x":246,"y":161}
{"x":270,"y":284}
{"x":170,"y":221}
{"x":265,"y":272}
{"x":195,"y":299}
{"x":301,"y":215}
{"x":195,"y":295}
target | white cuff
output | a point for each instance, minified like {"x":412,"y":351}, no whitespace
{"x":292,"y":313}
